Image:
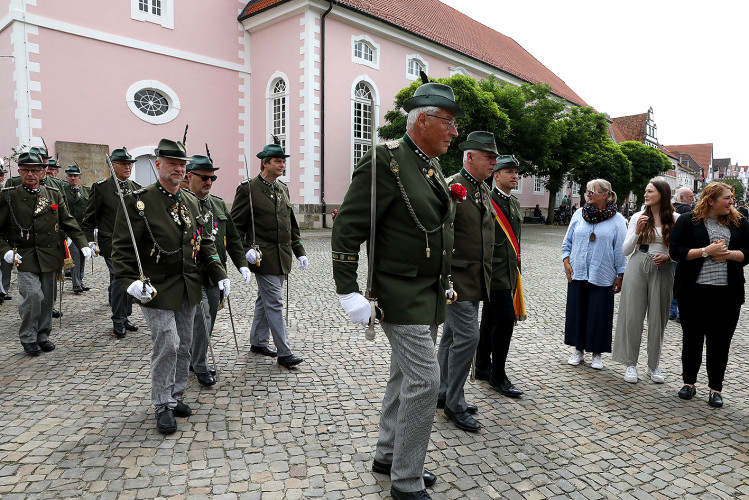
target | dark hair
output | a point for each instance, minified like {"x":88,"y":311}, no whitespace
{"x":665,"y":211}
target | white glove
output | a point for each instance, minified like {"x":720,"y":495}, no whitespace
{"x":93,"y":246}
{"x":246,"y":275}
{"x":357,"y":307}
{"x":96,"y":232}
{"x":251,"y":256}
{"x":8,"y":257}
{"x":449,"y":294}
{"x":69,"y":241}
{"x":136,"y":290}
{"x":225,"y":286}
{"x":303,"y":262}
{"x":87,"y":253}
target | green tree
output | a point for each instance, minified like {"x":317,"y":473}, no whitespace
{"x":13,"y":157}
{"x":647,"y":162}
{"x":737,"y":185}
{"x":606,"y":161}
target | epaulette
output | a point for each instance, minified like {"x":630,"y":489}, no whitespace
{"x":7,"y":188}
{"x":281,"y":182}
{"x":246,"y":181}
{"x":136,"y":184}
{"x":141,"y":190}
{"x":53,"y":188}
{"x":217,"y":197}
{"x":392,"y":144}
{"x":451,"y":178}
{"x":102,"y":181}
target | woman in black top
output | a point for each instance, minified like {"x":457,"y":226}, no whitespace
{"x":711,"y":248}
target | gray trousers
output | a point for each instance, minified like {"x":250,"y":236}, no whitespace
{"x":35,"y":305}
{"x":120,"y":301}
{"x":5,"y":270}
{"x":460,"y":337}
{"x":646,"y":289}
{"x":76,"y":274}
{"x":171,"y":334}
{"x":200,"y":336}
{"x":269,"y":314}
{"x":408,"y":404}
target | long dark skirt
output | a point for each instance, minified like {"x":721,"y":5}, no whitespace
{"x":590,"y":317}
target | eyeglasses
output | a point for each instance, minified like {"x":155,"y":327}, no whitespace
{"x":206,"y":178}
{"x":450,"y":123}
{"x":26,"y":171}
{"x":591,"y":193}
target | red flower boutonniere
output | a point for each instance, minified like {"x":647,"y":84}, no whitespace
{"x":53,"y":207}
{"x":458,"y":192}
{"x":334,"y":213}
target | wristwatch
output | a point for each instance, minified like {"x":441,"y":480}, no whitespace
{"x":704,"y":254}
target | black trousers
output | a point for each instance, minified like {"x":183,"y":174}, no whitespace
{"x":709,"y":315}
{"x":497,"y":322}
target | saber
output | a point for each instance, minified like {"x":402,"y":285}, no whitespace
{"x":153,"y":169}
{"x":143,"y":278}
{"x":231,"y":318}
{"x":254,"y":245}
{"x":370,"y":333}
{"x":207,"y":332}
{"x":287,"y":300}
{"x":61,"y":280}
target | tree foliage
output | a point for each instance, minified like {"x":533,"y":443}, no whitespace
{"x":606,"y":161}
{"x":647,"y":162}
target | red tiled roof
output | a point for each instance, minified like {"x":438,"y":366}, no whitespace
{"x":446,"y":26}
{"x":702,"y":153}
{"x":629,"y":128}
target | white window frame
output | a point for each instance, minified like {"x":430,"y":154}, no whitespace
{"x":537,"y":180}
{"x":163,"y":89}
{"x":166,"y":19}
{"x":458,"y":70}
{"x":269,"y":123}
{"x":375,"y":112}
{"x":418,"y":59}
{"x":375,"y":62}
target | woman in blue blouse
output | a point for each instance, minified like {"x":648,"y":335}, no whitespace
{"x":594,"y":264}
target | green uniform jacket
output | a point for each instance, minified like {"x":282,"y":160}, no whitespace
{"x":410,"y":287}
{"x":77,"y":201}
{"x":474,"y":239}
{"x":275,"y":225}
{"x":219,"y":225}
{"x":41,"y":249}
{"x":175,"y":275}
{"x":504,"y":261}
{"x":103,"y":205}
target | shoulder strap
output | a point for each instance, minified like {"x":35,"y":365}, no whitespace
{"x":507,"y":228}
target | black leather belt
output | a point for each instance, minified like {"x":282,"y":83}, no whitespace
{"x":644,"y":248}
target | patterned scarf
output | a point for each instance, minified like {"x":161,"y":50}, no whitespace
{"x":593,"y":215}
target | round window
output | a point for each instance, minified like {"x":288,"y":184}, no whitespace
{"x":151,"y":102}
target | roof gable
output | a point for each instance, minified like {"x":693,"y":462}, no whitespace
{"x":442,"y":24}
{"x":701,"y":153}
{"x":629,"y":128}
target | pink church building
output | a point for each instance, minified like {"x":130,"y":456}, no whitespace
{"x":89,"y":79}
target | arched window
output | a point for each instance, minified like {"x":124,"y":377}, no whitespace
{"x":362,"y":120}
{"x":362,"y":50}
{"x":414,"y":66}
{"x":278,"y":109}
{"x":365,"y":51}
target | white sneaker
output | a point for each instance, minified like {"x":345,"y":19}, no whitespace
{"x":630,"y":374}
{"x":576,"y":358}
{"x":597,"y":362}
{"x":656,"y":375}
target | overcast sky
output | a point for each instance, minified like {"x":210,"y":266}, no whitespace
{"x":687,"y":59}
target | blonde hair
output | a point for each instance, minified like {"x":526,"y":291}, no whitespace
{"x":605,"y":186}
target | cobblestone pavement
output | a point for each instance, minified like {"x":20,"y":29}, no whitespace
{"x":77,"y":422}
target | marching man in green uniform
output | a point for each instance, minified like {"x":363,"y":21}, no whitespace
{"x":76,"y":196}
{"x":471,"y":273}
{"x":32,"y":221}
{"x":498,"y":315}
{"x":410,"y":275}
{"x":172,"y":246}
{"x":98,"y":224}
{"x":264,"y":217}
{"x":5,"y":267}
{"x":218,"y":222}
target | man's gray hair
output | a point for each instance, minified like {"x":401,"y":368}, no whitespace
{"x":414,"y":114}
{"x":679,"y":195}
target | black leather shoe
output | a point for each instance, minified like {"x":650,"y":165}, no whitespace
{"x":31,"y":348}
{"x":211,"y":370}
{"x":715,"y":400}
{"x":483,"y":374}
{"x":687,"y":392}
{"x":440,"y":403}
{"x":383,"y":468}
{"x":119,"y":331}
{"x":463,"y":420}
{"x":472,"y":409}
{"x":165,"y":422}
{"x":506,"y":388}
{"x":46,"y":346}
{"x":182,"y":410}
{"x":7,"y":297}
{"x":130,"y":327}
{"x":397,"y":494}
{"x":264,"y":350}
{"x":289,"y":361}
{"x":56,"y":313}
{"x":85,"y":288}
{"x":205,"y":378}
{"x":77,"y":289}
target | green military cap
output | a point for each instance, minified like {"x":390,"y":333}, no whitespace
{"x":121,"y":155}
{"x":434,"y":94}
{"x":479,"y":141}
{"x":272,"y":151}
{"x":171,"y":149}
{"x":73,"y":170}
{"x":200,"y":162}
{"x":40,"y":151}
{"x":506,"y":161}
{"x":52,"y":163}
{"x":30,"y":159}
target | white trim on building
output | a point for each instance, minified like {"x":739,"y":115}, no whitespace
{"x":360,"y":55}
{"x":160,"y":12}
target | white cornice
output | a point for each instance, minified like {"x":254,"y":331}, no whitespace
{"x":101,"y":36}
